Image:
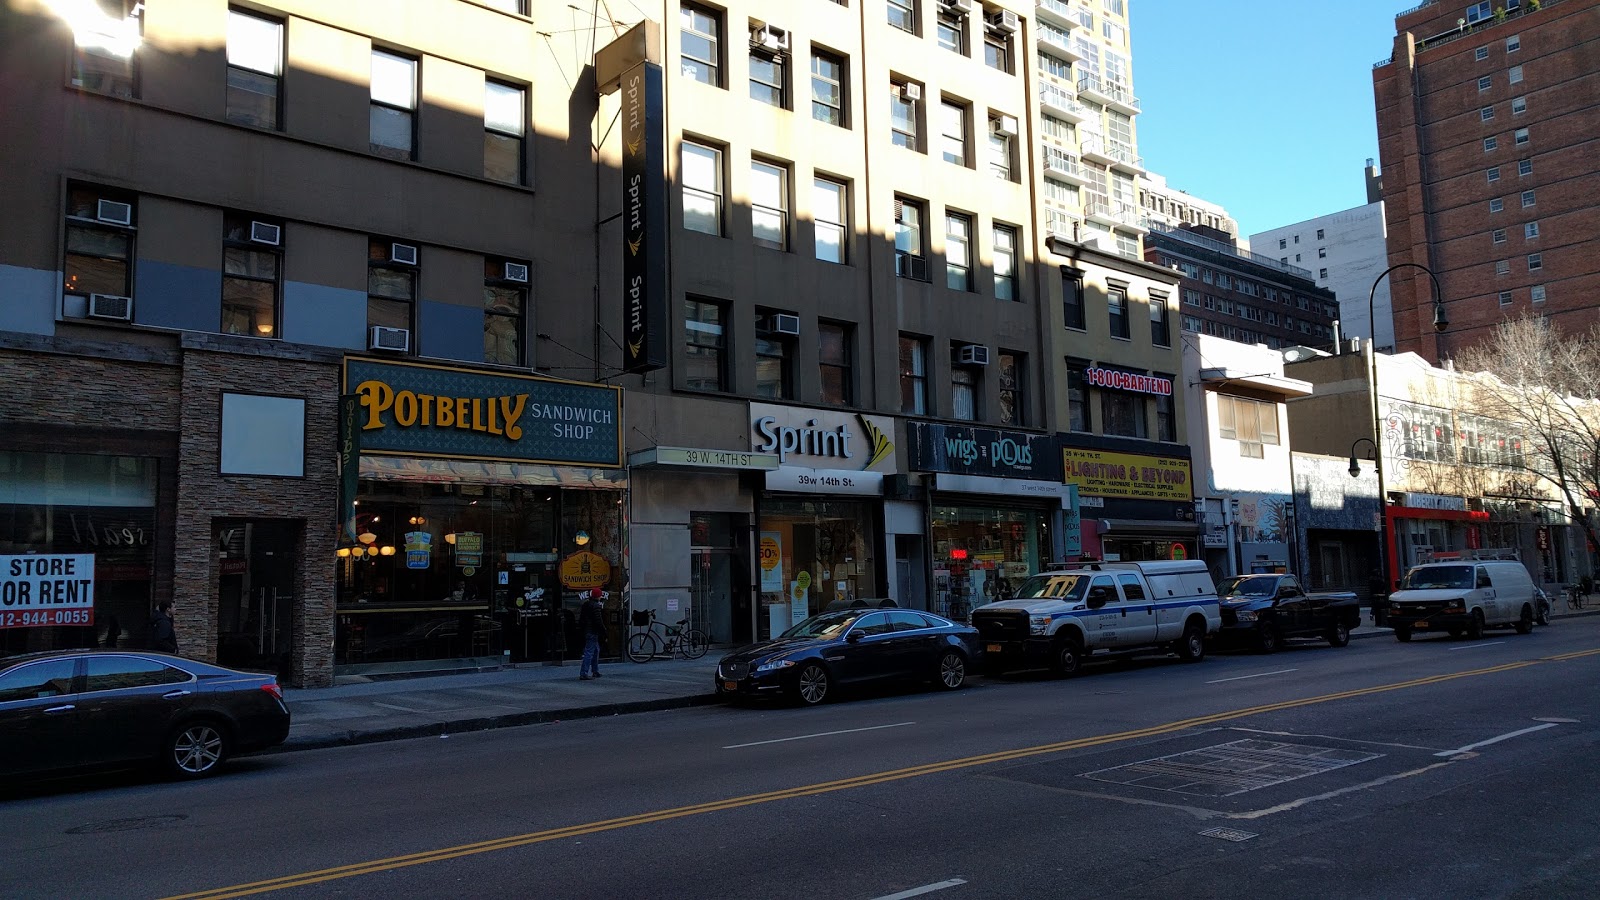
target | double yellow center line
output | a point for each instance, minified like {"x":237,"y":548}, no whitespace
{"x":826,"y":787}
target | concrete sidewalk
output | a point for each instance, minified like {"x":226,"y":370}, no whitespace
{"x":359,"y":710}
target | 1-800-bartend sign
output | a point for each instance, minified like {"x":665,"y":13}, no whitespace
{"x":46,"y":589}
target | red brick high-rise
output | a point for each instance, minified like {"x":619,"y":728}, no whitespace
{"x":1489,"y":132}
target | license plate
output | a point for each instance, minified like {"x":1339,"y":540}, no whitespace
{"x":730,"y":685}
{"x":1421,"y":624}
{"x":992,"y":648}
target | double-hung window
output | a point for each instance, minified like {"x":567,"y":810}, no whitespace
{"x":1123,"y":414}
{"x":1252,"y":423}
{"x":255,"y":69}
{"x":1166,"y":419}
{"x":827,"y":88}
{"x":1072,"y":311}
{"x":769,"y":77}
{"x":910,"y":244}
{"x":700,"y":44}
{"x":999,"y":149}
{"x":903,"y":114}
{"x":774,"y":359}
{"x":830,"y":209}
{"x":997,"y":51}
{"x":1077,"y":398}
{"x":953,"y":128}
{"x":701,"y":175}
{"x":503,"y":130}
{"x":99,"y":251}
{"x":706,"y":345}
{"x":913,"y":376}
{"x":834,"y":357}
{"x":769,"y":204}
{"x":1117,"y":307}
{"x":1013,"y":400}
{"x":958,"y":251}
{"x":252,"y":268}
{"x":393,"y":109}
{"x":952,"y":32}
{"x":903,"y":15}
{"x":391,"y":285}
{"x":1160,"y":322}
{"x":1005,"y":262}
{"x":505,"y":306}
{"x":964,"y":391}
{"x":108,"y":66}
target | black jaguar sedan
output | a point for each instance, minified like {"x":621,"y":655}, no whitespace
{"x":81,"y":709}
{"x":851,"y":646}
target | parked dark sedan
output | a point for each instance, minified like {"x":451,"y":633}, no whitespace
{"x":75,"y":709}
{"x":849,"y":646}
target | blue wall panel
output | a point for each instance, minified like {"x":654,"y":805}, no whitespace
{"x":28,"y":299}
{"x":326,"y":316}
{"x":448,"y":331}
{"x":171,"y":296}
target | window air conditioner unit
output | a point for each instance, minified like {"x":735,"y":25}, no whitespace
{"x":973,"y":355}
{"x":910,"y":91}
{"x":265,"y":233}
{"x":963,"y":7}
{"x":770,"y":38}
{"x":913,"y":267}
{"x":517,"y":272}
{"x":397,"y":340}
{"x":113,"y":212}
{"x":784,"y":323}
{"x":110,"y":306}
{"x":1004,"y":22}
{"x":1005,"y":125}
{"x":403,"y":253}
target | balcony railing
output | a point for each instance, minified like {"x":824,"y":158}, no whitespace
{"x":1068,"y":14}
{"x":1062,"y":166}
{"x":1115,"y":212}
{"x":1057,"y":100}
{"x":1109,"y":92}
{"x":1223,"y":247}
{"x":1114,"y":151}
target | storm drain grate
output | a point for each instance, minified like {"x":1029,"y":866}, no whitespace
{"x":1229,"y":834}
{"x":1228,"y":769}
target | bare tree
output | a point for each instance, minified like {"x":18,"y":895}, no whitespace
{"x":1545,"y":385}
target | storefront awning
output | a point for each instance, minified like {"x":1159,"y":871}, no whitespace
{"x":1148,"y":526}
{"x":466,"y":471}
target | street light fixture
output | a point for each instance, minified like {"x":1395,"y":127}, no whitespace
{"x":1355,"y":464}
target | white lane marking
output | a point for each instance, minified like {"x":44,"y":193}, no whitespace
{"x":925,"y":889}
{"x":1257,"y":675}
{"x":1495,"y":740}
{"x":803,"y":737}
{"x":1329,"y":737}
{"x":1303,"y":801}
{"x":397,"y":706}
{"x":1476,"y":646}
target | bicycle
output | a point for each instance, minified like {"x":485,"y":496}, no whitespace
{"x":674,"y":640}
{"x":1575,"y":596}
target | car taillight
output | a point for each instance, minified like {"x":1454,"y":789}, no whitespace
{"x":272,"y":688}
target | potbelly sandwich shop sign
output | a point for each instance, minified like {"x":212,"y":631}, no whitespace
{"x":414,"y":409}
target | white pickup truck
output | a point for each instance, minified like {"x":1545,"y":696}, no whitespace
{"x":1096,"y":610}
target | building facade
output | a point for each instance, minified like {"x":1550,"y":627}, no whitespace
{"x":1485,"y":123}
{"x":1166,"y":205}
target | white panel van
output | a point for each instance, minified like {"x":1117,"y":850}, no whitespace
{"x":1463,"y":597}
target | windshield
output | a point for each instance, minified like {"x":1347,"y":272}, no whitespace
{"x":1053,"y":585}
{"x":1247,"y":586}
{"x":1425,"y":578}
{"x":826,"y":625}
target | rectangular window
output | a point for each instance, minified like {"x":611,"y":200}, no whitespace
{"x":1166,"y":419}
{"x":1485,"y":83}
{"x":1527,"y":199}
{"x":1322,"y":253}
{"x":963,"y":393}
{"x":769,"y":77}
{"x":1519,"y":105}
{"x":830,"y":209}
{"x":1490,"y":143}
{"x":1005,"y":262}
{"x":1482,"y":53}
{"x":1252,"y":423}
{"x":953,"y":132}
{"x":504,"y":109}
{"x":958,"y":252}
{"x":1122,"y":414}
{"x":1535,"y":262}
{"x":910,"y":244}
{"x":99,"y":247}
{"x":505,"y":306}
{"x":774,"y":359}
{"x":1486,"y":113}
{"x":1072,"y":305}
{"x":1524,"y":167}
{"x":1322,"y":273}
{"x":1319,"y":233}
{"x":769,"y":204}
{"x":394,"y":101}
{"x":1514,"y":43}
{"x":1117,"y":306}
{"x":1530,"y":230}
{"x":255,"y":69}
{"x":1496,"y":204}
{"x":700,"y":44}
{"x":1536,"y":293}
{"x":702,"y":188}
{"x":251,"y":271}
{"x":1013,"y":405}
{"x":705,"y":345}
{"x":391,"y":288}
{"x":1502,"y":267}
{"x":903,"y":15}
{"x":913,"y":376}
{"x":1077,"y":398}
{"x":1499,"y":235}
{"x":835,"y":355}
{"x":106,"y":69}
{"x":997,"y":51}
{"x":1521,"y":136}
{"x":903,"y":97}
{"x":1283,"y":244}
{"x":827,"y":88}
{"x":1160,"y":321}
{"x":1505,"y":298}
{"x":1477,"y":12}
{"x":1494,"y":174}
{"x":952,"y":33}
{"x":999,"y":151}
{"x":1515,"y":75}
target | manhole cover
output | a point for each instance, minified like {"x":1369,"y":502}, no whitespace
{"x":133,"y":824}
{"x":1228,"y":769}
{"x":1229,"y":834}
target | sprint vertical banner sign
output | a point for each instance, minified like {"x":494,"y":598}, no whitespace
{"x":644,"y":214}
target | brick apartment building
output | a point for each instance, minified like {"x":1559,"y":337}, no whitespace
{"x":1486,"y":125}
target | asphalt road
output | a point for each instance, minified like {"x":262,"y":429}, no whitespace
{"x":1439,"y":768}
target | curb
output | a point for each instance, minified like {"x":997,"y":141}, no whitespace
{"x":487,"y":723}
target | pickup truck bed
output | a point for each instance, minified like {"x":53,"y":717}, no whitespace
{"x":1262,"y":611}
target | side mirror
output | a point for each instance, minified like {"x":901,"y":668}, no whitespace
{"x":853,"y":637}
{"x":1097,"y":598}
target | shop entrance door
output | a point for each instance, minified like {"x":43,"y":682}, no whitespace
{"x":719,"y":578}
{"x":255,"y":610}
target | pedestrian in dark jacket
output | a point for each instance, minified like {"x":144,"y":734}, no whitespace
{"x":592,"y":625}
{"x":163,"y":636}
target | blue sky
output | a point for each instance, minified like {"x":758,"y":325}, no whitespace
{"x":1262,"y":106}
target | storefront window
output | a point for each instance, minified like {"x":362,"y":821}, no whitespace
{"x":60,"y":503}
{"x":980,"y":553}
{"x":815,"y":555}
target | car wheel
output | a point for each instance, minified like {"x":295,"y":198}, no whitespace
{"x":1339,"y":635}
{"x":1525,"y":624}
{"x":952,"y":671}
{"x":1454,"y":632}
{"x":1067,"y":659}
{"x":1402,"y":634}
{"x":1543,"y":618}
{"x":196,"y":749}
{"x":1192,"y":646}
{"x":1475,"y":629}
{"x":811,"y":684}
{"x":1267,"y":638}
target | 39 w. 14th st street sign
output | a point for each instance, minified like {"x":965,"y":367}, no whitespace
{"x":46,"y":589}
{"x":413,"y":409}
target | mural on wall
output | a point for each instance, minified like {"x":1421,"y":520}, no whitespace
{"x":1264,"y":516}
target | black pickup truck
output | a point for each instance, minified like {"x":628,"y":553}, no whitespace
{"x":1263,"y":610}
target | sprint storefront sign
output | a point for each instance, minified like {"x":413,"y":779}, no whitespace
{"x":824,"y":451}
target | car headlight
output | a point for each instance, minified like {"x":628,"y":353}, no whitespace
{"x":1456,"y":606}
{"x":774,"y":664}
{"x":1246,"y":615}
{"x":1038,"y":624}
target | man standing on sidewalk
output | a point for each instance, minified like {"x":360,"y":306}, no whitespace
{"x":592,"y":625}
